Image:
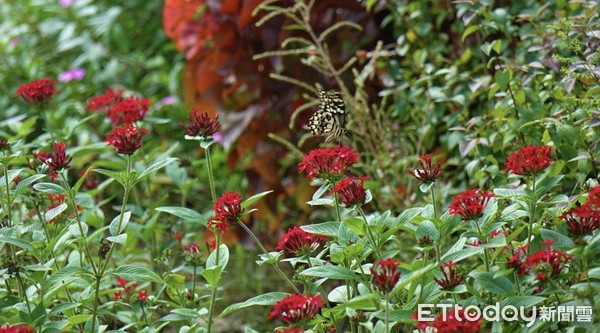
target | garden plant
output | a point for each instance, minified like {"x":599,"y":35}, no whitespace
{"x":299,"y":166}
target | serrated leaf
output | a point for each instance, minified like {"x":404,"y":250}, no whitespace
{"x":265,"y":299}
{"x":136,"y":273}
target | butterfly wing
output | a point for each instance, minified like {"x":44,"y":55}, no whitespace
{"x":330,"y":119}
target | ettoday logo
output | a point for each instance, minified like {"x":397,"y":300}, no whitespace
{"x":508,"y":313}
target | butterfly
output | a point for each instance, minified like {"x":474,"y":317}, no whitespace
{"x":330,"y":119}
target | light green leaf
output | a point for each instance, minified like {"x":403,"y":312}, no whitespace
{"x":331,"y":272}
{"x":248,"y":202}
{"x":265,"y":299}
{"x":115,"y":223}
{"x":136,"y":273}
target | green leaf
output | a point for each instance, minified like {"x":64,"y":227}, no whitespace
{"x":329,"y":229}
{"x":355,"y":224}
{"x":153,"y":168}
{"x":116,"y":175}
{"x":424,"y":187}
{"x":62,"y":307}
{"x":81,"y":180}
{"x":498,"y":285}
{"x":120,"y":239}
{"x":470,"y":30}
{"x":54,"y":212}
{"x":136,"y":273}
{"x":265,"y":299}
{"x":427,"y":228}
{"x":18,"y":242}
{"x":62,"y":274}
{"x":462,"y":254}
{"x":331,"y":272}
{"x":524,"y":301}
{"x":561,"y":240}
{"x":321,"y":191}
{"x":49,"y":188}
{"x":503,"y":78}
{"x":223,"y":257}
{"x":248,"y":202}
{"x":115,"y":223}
{"x":184,"y":213}
{"x":24,"y":183}
{"x":212,"y":275}
{"x":408,"y":278}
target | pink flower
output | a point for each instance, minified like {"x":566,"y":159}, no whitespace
{"x":76,"y":74}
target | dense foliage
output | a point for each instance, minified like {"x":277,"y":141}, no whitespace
{"x":159,"y":172}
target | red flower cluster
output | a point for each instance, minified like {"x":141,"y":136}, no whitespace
{"x":38,"y":91}
{"x":385,"y":274}
{"x":103,"y":102}
{"x":584,"y":219}
{"x":541,"y":260}
{"x":127,"y":139}
{"x":142,"y":295}
{"x":529,"y":160}
{"x":450,"y":324}
{"x":16,"y":329}
{"x":91,"y":181}
{"x":299,"y":243}
{"x":194,"y":248}
{"x":228,"y":211}
{"x":119,"y":108}
{"x":328,"y":163}
{"x":518,"y":260}
{"x":57,"y":160}
{"x":428,"y":173}
{"x":470,"y":204}
{"x":450,"y":279}
{"x":351,"y":191}
{"x":297,"y":308}
{"x":201,"y":124}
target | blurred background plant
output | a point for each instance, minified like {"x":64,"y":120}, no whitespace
{"x":468,"y":81}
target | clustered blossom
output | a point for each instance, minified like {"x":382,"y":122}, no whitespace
{"x":118,"y":108}
{"x":15,"y":329}
{"x":548,"y":262}
{"x":518,"y":259}
{"x":584,"y":219}
{"x":428,"y":173}
{"x":450,"y":323}
{"x":328,"y":163}
{"x":38,"y":91}
{"x":470,"y":204}
{"x":297,"y":308}
{"x":451,"y":278}
{"x":57,"y":160}
{"x":299,"y":243}
{"x":142,"y":295}
{"x":385,"y":274}
{"x":529,"y":160}
{"x":351,"y":191}
{"x":201,"y":124}
{"x":228,"y":211}
{"x":127,"y":139}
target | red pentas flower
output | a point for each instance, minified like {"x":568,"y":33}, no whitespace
{"x":428,"y":173}
{"x":201,"y":124}
{"x":451,"y":323}
{"x":142,"y":295}
{"x":470,"y":204}
{"x":228,"y":211}
{"x":104,"y":102}
{"x":529,"y":160}
{"x":548,"y":262}
{"x":450,"y":277}
{"x":16,"y":329}
{"x":328,"y":163}
{"x":299,"y":243}
{"x":129,"y":110}
{"x":38,"y":91}
{"x":127,"y":139}
{"x":385,"y":274}
{"x":518,"y":260}
{"x":351,"y":191}
{"x":297,"y":308}
{"x":584,"y":219}
{"x":57,"y":160}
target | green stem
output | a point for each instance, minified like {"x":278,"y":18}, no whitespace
{"x":47,"y":123}
{"x":369,"y":233}
{"x":262,"y":248}
{"x":211,"y":178}
{"x":485,"y":254}
{"x":434,"y":200}
{"x":213,"y":292}
{"x":387,"y":312}
{"x":324,"y":296}
{"x":102,"y":266}
{"x":10,"y":249}
{"x":517,"y":283}
{"x":24,"y":293}
{"x":532,"y":208}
